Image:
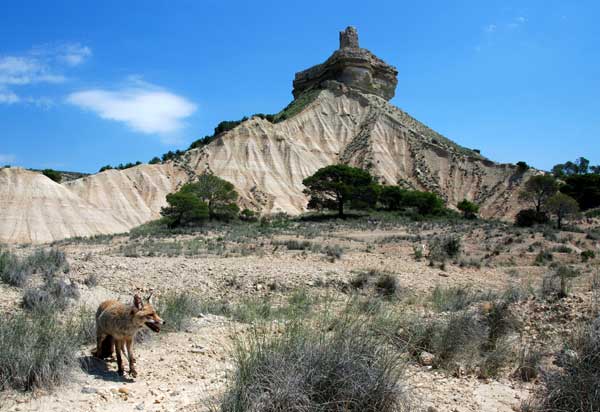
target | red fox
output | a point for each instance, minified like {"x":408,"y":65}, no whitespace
{"x":116,"y":326}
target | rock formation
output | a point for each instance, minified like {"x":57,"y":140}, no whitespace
{"x":355,"y":67}
{"x":341,"y":115}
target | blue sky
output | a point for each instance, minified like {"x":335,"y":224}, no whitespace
{"x":88,"y":83}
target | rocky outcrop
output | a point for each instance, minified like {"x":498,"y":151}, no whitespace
{"x":355,"y":67}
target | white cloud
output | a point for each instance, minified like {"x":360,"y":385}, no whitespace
{"x":7,"y":97}
{"x":142,"y":107}
{"x":7,"y":158}
{"x":41,"y":64}
{"x":75,"y":54}
{"x":18,"y":71}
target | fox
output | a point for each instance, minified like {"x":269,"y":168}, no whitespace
{"x":116,"y":326}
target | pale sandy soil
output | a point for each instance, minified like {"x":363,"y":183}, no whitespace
{"x":187,"y":370}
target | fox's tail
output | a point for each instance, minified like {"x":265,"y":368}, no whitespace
{"x":105,"y":350}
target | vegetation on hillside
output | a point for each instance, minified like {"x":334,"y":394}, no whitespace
{"x":52,"y":174}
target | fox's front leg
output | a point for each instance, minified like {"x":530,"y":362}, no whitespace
{"x":131,"y":357}
{"x":119,"y":350}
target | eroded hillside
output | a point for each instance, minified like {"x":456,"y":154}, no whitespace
{"x":340,"y":115}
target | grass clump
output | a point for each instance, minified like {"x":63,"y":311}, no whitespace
{"x":316,"y":368}
{"x":176,"y":309}
{"x":543,"y":257}
{"x":529,"y":364}
{"x":443,"y":248}
{"x":557,"y":284}
{"x":38,"y":350}
{"x":16,"y":271}
{"x":333,"y":252}
{"x":56,"y":294}
{"x":574,"y":387}
{"x":387,"y":285}
{"x":456,"y":298}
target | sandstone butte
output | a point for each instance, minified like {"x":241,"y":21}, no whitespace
{"x":340,"y":114}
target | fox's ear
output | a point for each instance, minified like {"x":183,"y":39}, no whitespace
{"x":149,"y":297}
{"x":137,"y":302}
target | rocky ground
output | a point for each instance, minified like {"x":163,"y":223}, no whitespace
{"x":187,"y":370}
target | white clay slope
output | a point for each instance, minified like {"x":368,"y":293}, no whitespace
{"x":267,"y":163}
{"x":36,"y":209}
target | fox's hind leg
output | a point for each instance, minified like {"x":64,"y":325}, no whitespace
{"x":104,"y":346}
{"x":98,"y":351}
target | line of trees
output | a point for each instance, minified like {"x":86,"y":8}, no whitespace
{"x":571,"y":187}
{"x":338,"y":187}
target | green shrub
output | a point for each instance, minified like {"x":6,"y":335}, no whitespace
{"x":310,"y":369}
{"x":333,"y":252}
{"x":442,"y":248}
{"x":248,"y":215}
{"x":360,"y":280}
{"x":543,"y":257}
{"x":529,"y":218}
{"x":587,"y":255}
{"x":293,"y":244}
{"x":387,"y":285}
{"x":468,"y":208}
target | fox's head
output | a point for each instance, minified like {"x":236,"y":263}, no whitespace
{"x":145,"y":314}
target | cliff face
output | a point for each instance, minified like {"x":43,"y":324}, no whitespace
{"x":347,"y":119}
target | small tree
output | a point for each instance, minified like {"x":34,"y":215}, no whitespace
{"x":184,"y":208}
{"x":332,"y":187}
{"x":562,"y":206}
{"x":522,"y":167}
{"x":468,"y":208}
{"x":219,"y":195}
{"x":538,"y":189}
{"x":52,"y":174}
{"x":155,"y":160}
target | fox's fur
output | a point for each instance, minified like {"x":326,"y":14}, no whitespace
{"x":117,"y":325}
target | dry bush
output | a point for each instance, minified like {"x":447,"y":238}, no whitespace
{"x":39,"y":350}
{"x":316,"y":368}
{"x":574,"y":387}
